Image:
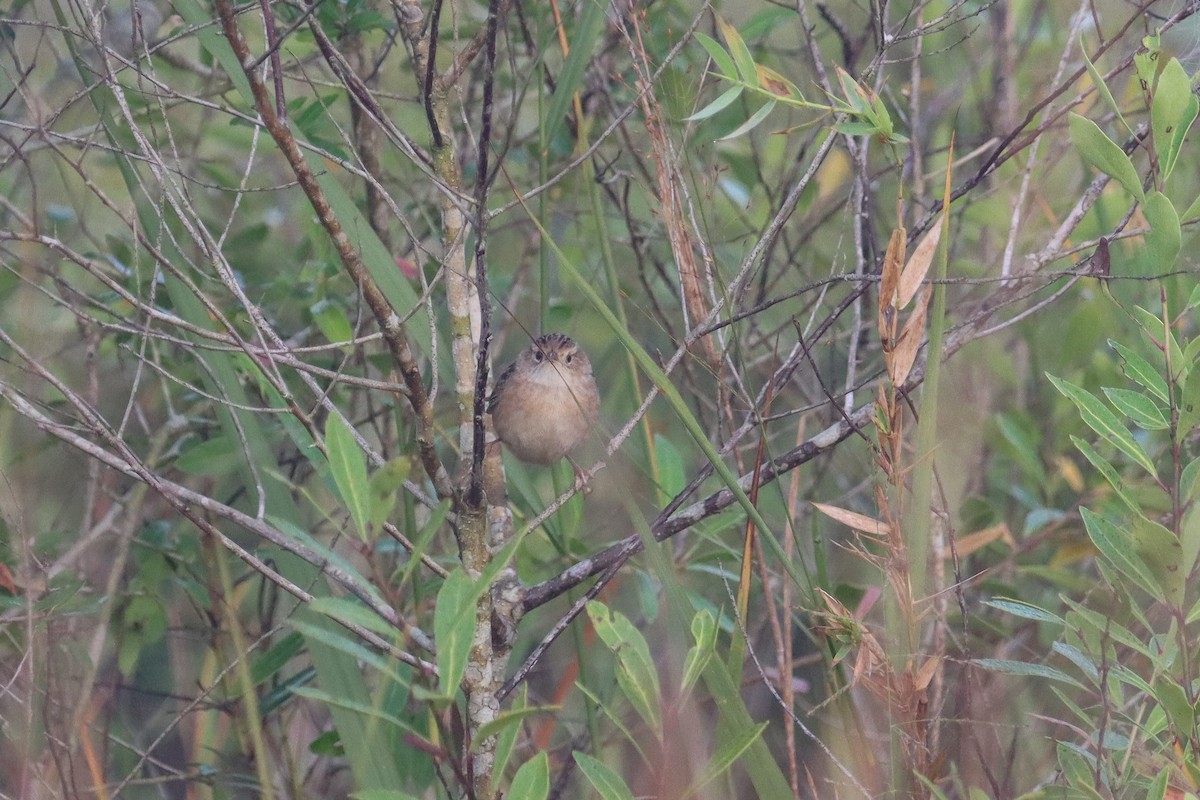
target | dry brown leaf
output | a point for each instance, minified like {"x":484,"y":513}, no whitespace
{"x":968,"y":544}
{"x":851,"y":519}
{"x":888,"y":280}
{"x":918,"y":266}
{"x":924,"y":674}
{"x":900,"y":361}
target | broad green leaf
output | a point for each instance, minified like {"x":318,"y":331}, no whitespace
{"x":750,"y":124}
{"x":718,"y":105}
{"x":720,"y":57}
{"x":636,"y":672}
{"x":1138,"y":409}
{"x":1104,"y":422}
{"x":1025,"y":669}
{"x":1162,"y":552}
{"x":1024,"y":610}
{"x":1078,"y":770}
{"x":532,"y":781}
{"x":1172,"y":112}
{"x":1117,"y":546}
{"x":1157,"y":790}
{"x":1148,"y":64}
{"x":671,"y":477}
{"x":1165,"y":237}
{"x":1171,"y":697}
{"x":453,"y":629}
{"x":1193,"y":210}
{"x":1102,"y":153}
{"x":348,"y":466}
{"x":332,"y":322}
{"x":741,"y":54}
{"x":1139,"y":370}
{"x":1189,"y":404}
{"x":607,"y":783}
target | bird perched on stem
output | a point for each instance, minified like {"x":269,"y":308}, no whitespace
{"x":545,"y":403}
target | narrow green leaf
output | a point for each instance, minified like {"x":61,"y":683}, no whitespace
{"x":724,"y":758}
{"x":588,"y":33}
{"x":453,"y":629}
{"x":740,"y":52}
{"x":1104,"y":422}
{"x":1025,"y":669}
{"x":1077,"y":657}
{"x":385,"y":485}
{"x":607,"y":783}
{"x":1173,"y":699}
{"x":532,"y":781}
{"x":348,"y":466}
{"x":506,"y":739}
{"x":718,"y":105}
{"x":1165,"y":237}
{"x":359,"y":708}
{"x":1138,"y":409}
{"x":1103,"y":153}
{"x":1138,"y":370}
{"x":724,"y":62}
{"x":1109,"y":472}
{"x":1101,"y":86}
{"x":751,"y":123}
{"x":1024,"y":610}
{"x":343,"y":609}
{"x":704,"y":632}
{"x":511,"y":718}
{"x":1116,"y":545}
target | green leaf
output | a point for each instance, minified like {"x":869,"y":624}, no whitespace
{"x":385,"y":485}
{"x":718,"y":54}
{"x":1025,"y":669}
{"x":588,"y":33}
{"x":506,"y":739}
{"x":1189,"y":404}
{"x":741,"y":54}
{"x":1162,"y":553}
{"x":332,"y":322}
{"x":704,"y":632}
{"x":1138,"y":409}
{"x":1023,"y":440}
{"x":671,"y":477}
{"x":1173,"y":699}
{"x":1161,"y":335}
{"x":718,"y":105}
{"x":453,"y":629}
{"x":1104,"y":422}
{"x":1024,"y":610}
{"x":724,"y":758}
{"x":1116,"y":545}
{"x":348,"y":466}
{"x":1103,"y":153}
{"x":380,"y":794}
{"x":1138,"y":370}
{"x":532,"y":781}
{"x":1109,"y":472}
{"x":1076,"y":657}
{"x":1165,"y":237}
{"x":1172,"y":112}
{"x":513,"y":717}
{"x":1101,"y":86}
{"x":752,"y":123}
{"x":636,"y":672}
{"x":607,"y":783}
{"x":216,"y":456}
{"x":341,"y":609}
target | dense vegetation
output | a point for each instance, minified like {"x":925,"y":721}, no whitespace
{"x":893,"y":311}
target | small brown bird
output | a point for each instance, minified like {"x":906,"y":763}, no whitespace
{"x":546,"y":402}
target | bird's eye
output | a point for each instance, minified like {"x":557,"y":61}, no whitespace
{"x":569,"y":357}
{"x":537,"y":356}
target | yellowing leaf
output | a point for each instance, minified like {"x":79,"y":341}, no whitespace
{"x":851,"y":519}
